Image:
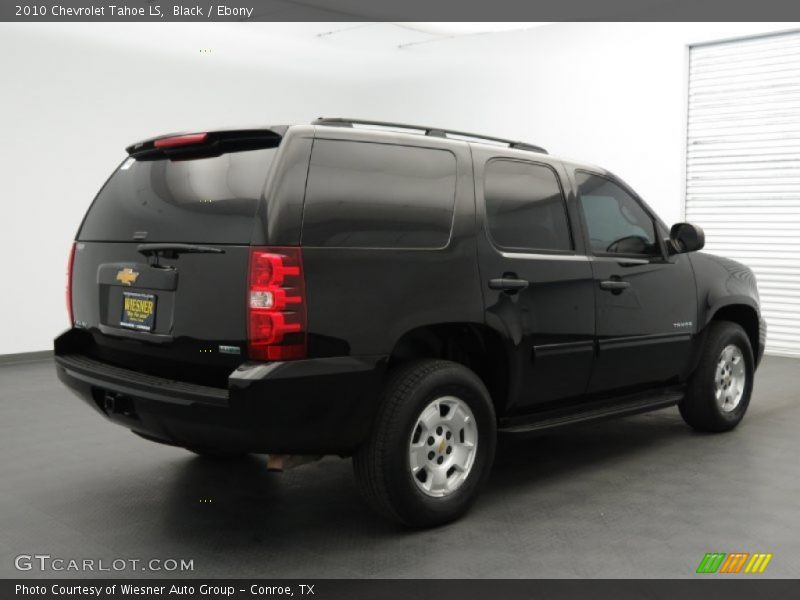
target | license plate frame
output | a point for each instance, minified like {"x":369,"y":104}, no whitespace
{"x":138,"y":311}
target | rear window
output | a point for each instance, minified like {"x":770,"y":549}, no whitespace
{"x":367,"y":195}
{"x":210,"y":200}
{"x":525,"y":208}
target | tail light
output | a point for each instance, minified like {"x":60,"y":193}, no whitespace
{"x":69,"y":283}
{"x":276,"y":304}
{"x":188,"y":139}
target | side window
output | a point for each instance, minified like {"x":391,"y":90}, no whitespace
{"x":617,"y":223}
{"x":525,"y":209}
{"x":366,"y":195}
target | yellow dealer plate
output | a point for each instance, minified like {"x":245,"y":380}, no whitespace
{"x":138,"y":311}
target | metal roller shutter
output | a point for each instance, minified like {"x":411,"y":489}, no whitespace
{"x":743,"y":167}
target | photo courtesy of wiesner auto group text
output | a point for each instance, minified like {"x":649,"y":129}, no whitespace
{"x":344,"y":299}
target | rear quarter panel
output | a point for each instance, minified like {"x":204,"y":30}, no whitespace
{"x":362,"y":300}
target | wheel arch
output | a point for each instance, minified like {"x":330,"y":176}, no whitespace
{"x":743,"y":315}
{"x":474,"y":345}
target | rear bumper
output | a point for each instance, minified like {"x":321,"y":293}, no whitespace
{"x":315,"y":406}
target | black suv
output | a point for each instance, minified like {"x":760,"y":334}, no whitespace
{"x":397,"y":294}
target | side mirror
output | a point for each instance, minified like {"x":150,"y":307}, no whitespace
{"x":686,"y":237}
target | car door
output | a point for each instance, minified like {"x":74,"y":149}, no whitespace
{"x":645,"y":308}
{"x":537,"y":281}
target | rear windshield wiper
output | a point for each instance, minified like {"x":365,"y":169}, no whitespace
{"x":175,"y":250}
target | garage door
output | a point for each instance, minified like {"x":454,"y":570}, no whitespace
{"x":743,"y":167}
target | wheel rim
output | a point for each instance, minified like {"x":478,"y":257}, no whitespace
{"x":443,"y":446}
{"x":730,"y":378}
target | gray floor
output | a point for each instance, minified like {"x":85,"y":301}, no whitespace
{"x":638,"y":497}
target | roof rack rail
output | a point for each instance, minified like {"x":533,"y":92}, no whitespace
{"x":431,"y":131}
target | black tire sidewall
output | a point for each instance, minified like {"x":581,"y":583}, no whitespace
{"x":411,"y":503}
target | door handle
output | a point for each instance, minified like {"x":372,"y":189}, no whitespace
{"x":615,"y":286}
{"x":510,"y":285}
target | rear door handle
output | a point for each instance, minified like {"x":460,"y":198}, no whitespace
{"x":614,"y":285}
{"x":508,"y":284}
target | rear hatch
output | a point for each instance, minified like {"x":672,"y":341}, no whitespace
{"x":160,"y":269}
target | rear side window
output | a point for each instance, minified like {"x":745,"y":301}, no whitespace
{"x":210,"y":200}
{"x":525,"y":208}
{"x":366,"y":195}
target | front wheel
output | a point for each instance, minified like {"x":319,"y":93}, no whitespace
{"x":432,"y":445}
{"x":719,"y":390}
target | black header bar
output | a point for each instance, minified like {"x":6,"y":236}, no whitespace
{"x":701,"y":588}
{"x":397,"y":10}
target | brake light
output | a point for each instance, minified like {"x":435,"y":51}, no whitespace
{"x":181,"y":140}
{"x":276,"y":304}
{"x":69,"y":283}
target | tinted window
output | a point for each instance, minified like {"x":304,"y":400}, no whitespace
{"x":211,"y":200}
{"x":617,"y":223}
{"x":379,"y":196}
{"x":525,"y":208}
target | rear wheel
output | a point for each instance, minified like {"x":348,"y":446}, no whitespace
{"x":432,"y":445}
{"x":719,"y":391}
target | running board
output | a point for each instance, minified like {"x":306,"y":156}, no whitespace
{"x":620,"y":407}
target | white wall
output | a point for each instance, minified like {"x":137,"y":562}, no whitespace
{"x":75,"y":95}
{"x":609,"y":93}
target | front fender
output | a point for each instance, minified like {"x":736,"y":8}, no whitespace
{"x":724,"y":285}
{"x":722,"y":282}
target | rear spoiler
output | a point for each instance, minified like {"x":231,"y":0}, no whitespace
{"x":183,"y":146}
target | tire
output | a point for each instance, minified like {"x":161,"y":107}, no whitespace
{"x":420,"y":395}
{"x":215,"y":454}
{"x":713,"y":402}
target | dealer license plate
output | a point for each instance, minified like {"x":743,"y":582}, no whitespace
{"x":138,"y":311}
